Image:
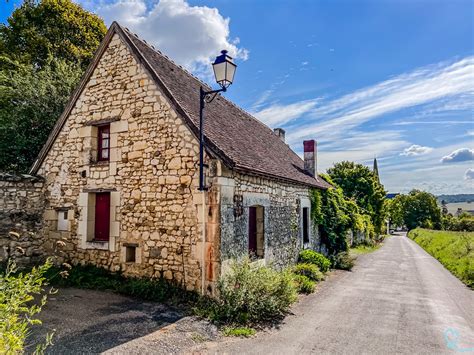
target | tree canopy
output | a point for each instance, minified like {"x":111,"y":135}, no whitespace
{"x":44,"y":50}
{"x":61,"y":29}
{"x":30,"y":103}
{"x":417,"y":209}
{"x":360,"y":184}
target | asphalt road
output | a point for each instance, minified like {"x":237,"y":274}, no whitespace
{"x":397,"y":300}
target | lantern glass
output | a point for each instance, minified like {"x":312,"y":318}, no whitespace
{"x":224,"y":69}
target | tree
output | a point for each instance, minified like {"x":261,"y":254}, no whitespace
{"x":39,"y":30}
{"x":417,"y":209}
{"x":31,"y":101}
{"x":359,"y":183}
{"x":44,"y":49}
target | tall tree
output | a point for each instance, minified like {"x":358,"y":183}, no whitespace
{"x":31,"y":100}
{"x":360,"y":184}
{"x":61,"y":29}
{"x":417,"y":209}
{"x":44,"y":50}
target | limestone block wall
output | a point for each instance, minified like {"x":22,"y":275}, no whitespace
{"x":21,"y":210}
{"x":282,"y":205}
{"x":151,"y":176}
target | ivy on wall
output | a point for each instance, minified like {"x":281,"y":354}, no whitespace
{"x":336,"y":215}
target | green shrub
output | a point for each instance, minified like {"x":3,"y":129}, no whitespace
{"x":311,"y":257}
{"x":343,"y":261}
{"x":244,"y":332}
{"x":252,"y":293}
{"x":311,"y":271}
{"x":92,"y":277}
{"x":17,"y":309}
{"x":304,"y":284}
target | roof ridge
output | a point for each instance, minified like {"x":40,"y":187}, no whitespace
{"x":196,"y":78}
{"x":165,"y":56}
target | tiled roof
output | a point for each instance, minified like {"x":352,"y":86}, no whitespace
{"x":240,"y":140}
{"x":244,"y":143}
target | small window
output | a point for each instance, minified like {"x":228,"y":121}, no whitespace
{"x":130,"y":254}
{"x":104,"y":143}
{"x":305,"y":225}
{"x":62,"y":221}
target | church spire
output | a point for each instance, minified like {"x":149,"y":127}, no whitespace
{"x":376,"y":169}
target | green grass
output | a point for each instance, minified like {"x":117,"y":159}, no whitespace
{"x":244,"y":332}
{"x":455,"y":250}
{"x":364,"y":249}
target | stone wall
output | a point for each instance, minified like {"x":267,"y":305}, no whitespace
{"x":282,"y":204}
{"x":151,"y":176}
{"x":21,"y":208}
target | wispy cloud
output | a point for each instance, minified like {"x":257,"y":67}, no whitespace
{"x":416,"y":149}
{"x":416,"y":88}
{"x":281,"y":114}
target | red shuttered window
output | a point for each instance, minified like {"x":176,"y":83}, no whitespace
{"x":102,"y":216}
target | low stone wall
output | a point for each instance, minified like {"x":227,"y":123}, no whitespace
{"x":21,"y":209}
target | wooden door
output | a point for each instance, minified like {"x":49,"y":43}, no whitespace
{"x":252,"y":231}
{"x":102,"y":216}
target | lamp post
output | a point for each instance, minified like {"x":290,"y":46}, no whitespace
{"x":224,"y":71}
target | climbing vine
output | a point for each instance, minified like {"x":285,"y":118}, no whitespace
{"x":336,"y":215}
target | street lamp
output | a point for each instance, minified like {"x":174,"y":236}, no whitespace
{"x":224,"y":71}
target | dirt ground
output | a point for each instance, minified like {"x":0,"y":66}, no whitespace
{"x":91,"y":322}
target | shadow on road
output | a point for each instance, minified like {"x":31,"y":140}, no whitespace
{"x":87,"y":321}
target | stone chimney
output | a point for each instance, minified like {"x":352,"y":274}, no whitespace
{"x":310,"y":157}
{"x":280,"y":132}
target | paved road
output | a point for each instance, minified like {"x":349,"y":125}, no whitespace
{"x":396,"y":300}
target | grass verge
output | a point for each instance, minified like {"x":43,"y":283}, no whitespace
{"x":455,"y":250}
{"x":364,"y":249}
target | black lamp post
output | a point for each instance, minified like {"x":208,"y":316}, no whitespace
{"x":224,"y":70}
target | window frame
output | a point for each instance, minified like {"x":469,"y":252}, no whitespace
{"x":100,"y":142}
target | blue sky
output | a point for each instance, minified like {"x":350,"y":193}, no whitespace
{"x":392,"y":79}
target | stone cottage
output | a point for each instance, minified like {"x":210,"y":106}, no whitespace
{"x":120,"y":172}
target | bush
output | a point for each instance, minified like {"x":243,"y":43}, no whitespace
{"x":311,"y":271}
{"x":311,"y":257}
{"x":17,"y":309}
{"x":93,"y":277}
{"x":343,"y":261}
{"x":304,"y":284}
{"x":252,"y":293}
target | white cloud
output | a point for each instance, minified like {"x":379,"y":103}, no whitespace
{"x":280,"y":114}
{"x":190,"y":35}
{"x":469,"y":175}
{"x":416,"y":149}
{"x":459,"y":155}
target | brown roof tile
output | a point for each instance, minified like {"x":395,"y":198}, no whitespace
{"x":245,"y":143}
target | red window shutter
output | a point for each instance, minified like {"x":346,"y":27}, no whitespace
{"x":102,"y":216}
{"x":104,"y":143}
